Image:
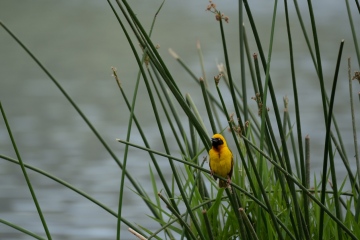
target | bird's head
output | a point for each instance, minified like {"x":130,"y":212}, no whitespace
{"x":218,"y":140}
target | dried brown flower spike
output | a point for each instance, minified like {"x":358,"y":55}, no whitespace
{"x":218,"y":16}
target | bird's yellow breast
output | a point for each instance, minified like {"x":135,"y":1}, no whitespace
{"x":221,"y":161}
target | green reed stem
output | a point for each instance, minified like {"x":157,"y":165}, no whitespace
{"x":207,"y":105}
{"x":21,"y":229}
{"x":242,"y":60}
{"x":303,"y":188}
{"x":243,"y":191}
{"x":305,"y":35}
{"x":207,"y":225}
{"x":167,"y":115}
{"x":228,"y":71}
{"x":353,"y":32}
{"x":27,"y":179}
{"x":271,"y":136}
{"x":249,"y":59}
{"x":345,"y":162}
{"x":141,"y":72}
{"x":357,"y":5}
{"x":297,"y":115}
{"x":178,"y":216}
{"x":232,"y":198}
{"x":174,"y":113}
{"x":354,"y":131}
{"x":167,"y":150}
{"x":276,"y":111}
{"x":248,"y":224}
{"x":146,"y":143}
{"x":318,"y":59}
{"x":328,"y":151}
{"x":161,"y":67}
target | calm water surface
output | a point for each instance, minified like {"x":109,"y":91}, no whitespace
{"x":78,"y":41}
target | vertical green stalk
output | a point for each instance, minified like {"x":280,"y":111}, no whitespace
{"x":318,"y":59}
{"x":248,"y":224}
{"x":271,"y":145}
{"x":297,"y":115}
{"x":207,"y":105}
{"x":207,"y":225}
{"x":242,"y":61}
{"x":141,"y":72}
{"x":198,"y":46}
{"x":267,"y":74}
{"x":212,"y":104}
{"x":167,"y":115}
{"x":244,"y":164}
{"x":294,"y":145}
{"x":328,"y":152}
{"x":305,"y":34}
{"x":264,"y":108}
{"x":178,"y":216}
{"x":122,"y":178}
{"x":307,"y":161}
{"x":251,"y":67}
{"x":258,"y":176}
{"x":353,"y":31}
{"x":357,"y":5}
{"x":171,"y":105}
{"x":354,"y":133}
{"x":345,"y":161}
{"x":27,"y":179}
{"x":227,"y":63}
{"x":232,"y":198}
{"x":162,"y":69}
{"x":307,"y":179}
{"x":167,"y":150}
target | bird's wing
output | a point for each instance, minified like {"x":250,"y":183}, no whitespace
{"x":210,"y":166}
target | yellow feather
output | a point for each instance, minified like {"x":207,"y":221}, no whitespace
{"x":221,"y":159}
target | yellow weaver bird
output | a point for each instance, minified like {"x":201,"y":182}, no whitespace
{"x":221,"y":160}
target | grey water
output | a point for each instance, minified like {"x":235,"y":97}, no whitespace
{"x":79,"y":42}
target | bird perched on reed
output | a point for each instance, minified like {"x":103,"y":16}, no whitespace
{"x":221,"y":160}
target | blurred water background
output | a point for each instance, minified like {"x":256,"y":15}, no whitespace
{"x":78,"y":41}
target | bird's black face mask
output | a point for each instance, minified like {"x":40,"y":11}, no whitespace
{"x":215,"y":142}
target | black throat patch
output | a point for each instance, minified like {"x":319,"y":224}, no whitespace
{"x":215,"y":142}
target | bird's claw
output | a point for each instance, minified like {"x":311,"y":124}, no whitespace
{"x":228,"y":181}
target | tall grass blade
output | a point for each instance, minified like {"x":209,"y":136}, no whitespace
{"x":178,"y":217}
{"x":242,"y":60}
{"x":353,"y":32}
{"x":20,"y":229}
{"x":297,"y":115}
{"x":122,"y":180}
{"x":164,"y":72}
{"x":248,"y":224}
{"x":207,"y":105}
{"x":207,"y":225}
{"x":328,"y":152}
{"x":27,"y":179}
{"x":354,"y":133}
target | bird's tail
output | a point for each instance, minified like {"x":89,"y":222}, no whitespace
{"x":222,"y":183}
